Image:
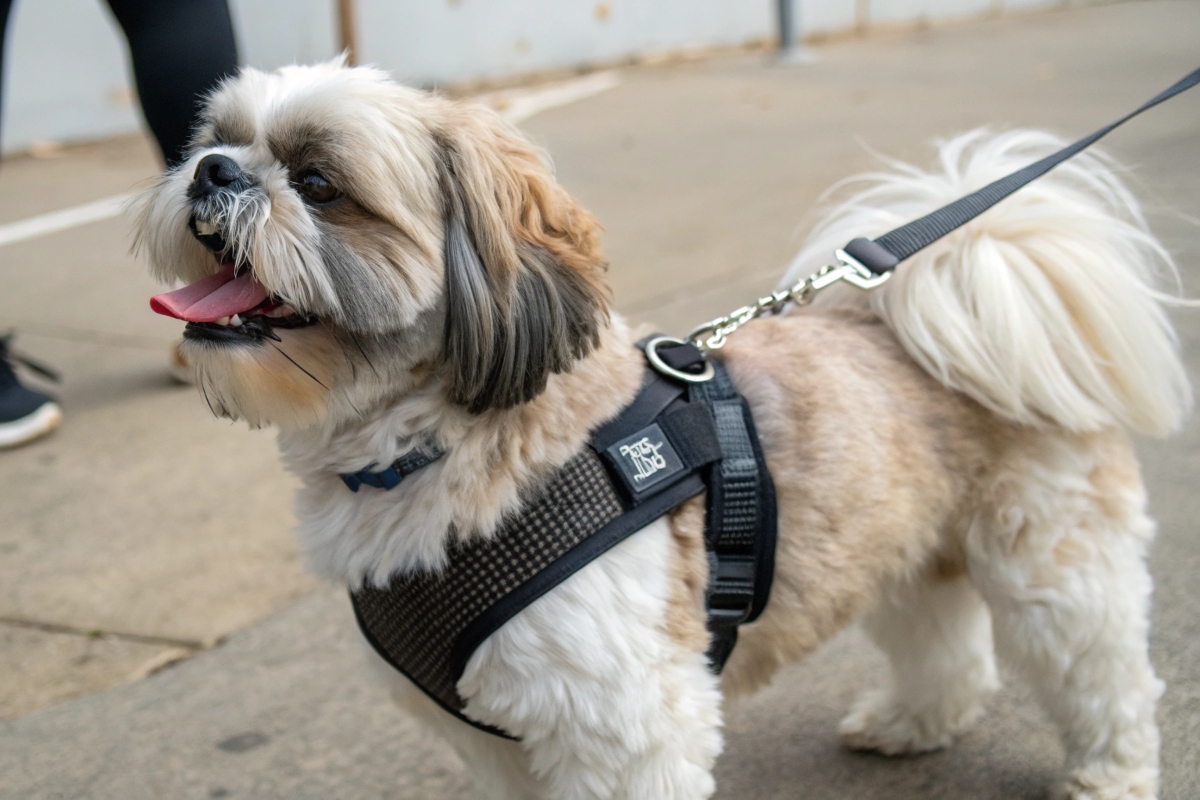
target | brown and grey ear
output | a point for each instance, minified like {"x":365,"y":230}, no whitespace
{"x":523,"y":271}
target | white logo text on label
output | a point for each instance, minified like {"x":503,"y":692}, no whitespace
{"x":645,"y":458}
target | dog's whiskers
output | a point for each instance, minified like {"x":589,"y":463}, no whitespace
{"x":302,"y":369}
{"x":202,"y":382}
{"x":366,"y":358}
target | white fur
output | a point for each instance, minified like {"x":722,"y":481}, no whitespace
{"x":606,"y":703}
{"x":1059,"y":559}
{"x":938,"y":639}
{"x":1069,"y":594}
{"x":1044,"y":308}
{"x":369,"y":536}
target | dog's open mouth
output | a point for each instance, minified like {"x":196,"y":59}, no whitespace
{"x":229,"y":307}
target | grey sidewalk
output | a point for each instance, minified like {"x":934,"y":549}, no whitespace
{"x":145,"y":517}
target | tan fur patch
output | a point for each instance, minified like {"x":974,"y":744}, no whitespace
{"x":872,"y":462}
{"x":284,"y":383}
{"x":230,"y":122}
{"x":685,"y":619}
{"x":1117,"y":477}
{"x":519,"y":199}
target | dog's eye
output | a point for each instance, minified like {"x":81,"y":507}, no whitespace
{"x":316,"y":188}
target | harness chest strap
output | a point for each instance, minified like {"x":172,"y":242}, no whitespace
{"x":666,"y":447}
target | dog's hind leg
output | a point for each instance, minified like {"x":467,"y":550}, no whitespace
{"x":1058,"y":551}
{"x":937,"y":636}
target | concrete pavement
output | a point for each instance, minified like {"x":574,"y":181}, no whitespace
{"x":145,"y":530}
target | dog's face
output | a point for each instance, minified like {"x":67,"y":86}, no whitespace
{"x":346,"y":239}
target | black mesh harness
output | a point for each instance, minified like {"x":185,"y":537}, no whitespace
{"x":687,"y":431}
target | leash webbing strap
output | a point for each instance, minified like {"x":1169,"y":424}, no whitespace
{"x":883,"y":254}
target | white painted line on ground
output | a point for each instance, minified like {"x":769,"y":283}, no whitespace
{"x":67,"y":218}
{"x":515,"y":105}
{"x":518,"y":105}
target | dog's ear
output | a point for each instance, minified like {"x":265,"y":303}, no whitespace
{"x":524,"y":273}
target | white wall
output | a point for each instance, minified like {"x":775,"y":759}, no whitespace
{"x":66,"y":71}
{"x":901,"y":10}
{"x":817,"y":16}
{"x":439,"y":40}
{"x":271,"y":33}
{"x":66,"y":75}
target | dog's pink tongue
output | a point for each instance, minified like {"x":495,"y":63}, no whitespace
{"x":211,"y":298}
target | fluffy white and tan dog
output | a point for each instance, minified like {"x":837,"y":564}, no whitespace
{"x":376,"y":267}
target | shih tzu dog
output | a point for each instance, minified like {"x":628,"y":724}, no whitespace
{"x":370,"y":267}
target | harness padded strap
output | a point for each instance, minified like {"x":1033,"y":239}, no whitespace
{"x":693,"y":432}
{"x":653,"y":398}
{"x":740,"y":527}
{"x":656,"y":441}
{"x":684,"y":357}
{"x":566,"y":565}
{"x":426,"y":624}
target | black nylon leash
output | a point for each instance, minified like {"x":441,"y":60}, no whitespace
{"x":868,"y":263}
{"x":885,"y":253}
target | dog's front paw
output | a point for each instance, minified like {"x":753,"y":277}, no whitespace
{"x":1105,"y":781}
{"x":878,"y":722}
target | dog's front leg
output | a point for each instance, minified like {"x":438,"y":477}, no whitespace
{"x":606,"y":702}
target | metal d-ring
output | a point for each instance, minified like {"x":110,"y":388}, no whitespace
{"x":657,"y":362}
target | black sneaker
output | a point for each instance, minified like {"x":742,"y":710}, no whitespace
{"x":25,"y":415}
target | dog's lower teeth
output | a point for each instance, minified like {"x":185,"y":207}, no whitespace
{"x":235,"y":320}
{"x":224,"y":321}
{"x":205,"y":228}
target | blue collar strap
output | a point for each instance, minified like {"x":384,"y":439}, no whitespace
{"x":400,"y":469}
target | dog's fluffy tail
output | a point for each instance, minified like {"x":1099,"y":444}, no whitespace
{"x":1044,"y":309}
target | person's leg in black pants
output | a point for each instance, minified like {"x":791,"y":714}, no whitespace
{"x":5,"y":8}
{"x":180,"y":50}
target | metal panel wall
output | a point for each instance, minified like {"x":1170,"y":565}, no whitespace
{"x":435,"y":40}
{"x":66,"y":76}
{"x":66,"y":70}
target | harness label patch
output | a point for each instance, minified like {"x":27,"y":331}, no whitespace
{"x":646,"y":458}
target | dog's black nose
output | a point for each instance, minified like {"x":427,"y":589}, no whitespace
{"x":216,"y":172}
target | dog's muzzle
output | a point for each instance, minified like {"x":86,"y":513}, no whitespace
{"x":228,"y":306}
{"x":215,"y":175}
